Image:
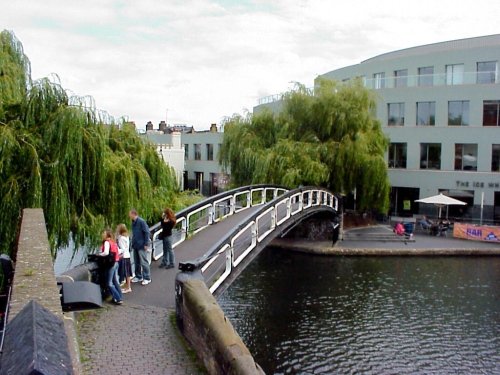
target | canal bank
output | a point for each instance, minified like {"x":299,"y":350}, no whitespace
{"x":368,"y":241}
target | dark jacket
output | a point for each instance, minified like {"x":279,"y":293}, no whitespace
{"x":166,"y":228}
{"x":140,"y":234}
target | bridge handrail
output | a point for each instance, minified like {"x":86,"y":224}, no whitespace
{"x":187,"y":216}
{"x":315,"y":197}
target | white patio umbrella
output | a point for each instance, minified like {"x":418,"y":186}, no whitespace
{"x":440,"y":201}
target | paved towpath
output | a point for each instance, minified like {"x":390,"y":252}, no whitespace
{"x":423,"y":244}
{"x":132,"y":339}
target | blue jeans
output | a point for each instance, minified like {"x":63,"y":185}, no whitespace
{"x":168,"y":253}
{"x":141,"y":260}
{"x":113,"y":284}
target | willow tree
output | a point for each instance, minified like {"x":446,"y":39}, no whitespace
{"x":61,"y":154}
{"x":328,"y":136}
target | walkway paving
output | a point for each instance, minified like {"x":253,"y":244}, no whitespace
{"x":132,"y":339}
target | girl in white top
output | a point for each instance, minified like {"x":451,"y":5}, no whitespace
{"x":123,"y":242}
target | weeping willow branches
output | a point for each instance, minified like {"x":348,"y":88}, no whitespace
{"x":60,"y":153}
{"x":328,"y":137}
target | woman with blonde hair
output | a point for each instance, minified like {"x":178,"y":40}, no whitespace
{"x":125,"y":268}
{"x":168,"y":221}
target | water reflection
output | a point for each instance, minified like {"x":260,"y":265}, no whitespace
{"x":307,"y":314}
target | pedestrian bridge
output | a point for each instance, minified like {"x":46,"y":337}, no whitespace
{"x":221,"y":235}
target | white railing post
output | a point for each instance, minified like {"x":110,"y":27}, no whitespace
{"x":233,"y":205}
{"x":255,"y":234}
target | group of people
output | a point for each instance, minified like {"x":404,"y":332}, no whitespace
{"x":434,"y":228}
{"x":118,"y":248}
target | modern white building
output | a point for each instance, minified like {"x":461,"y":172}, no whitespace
{"x":439,"y":105}
{"x":199,"y":153}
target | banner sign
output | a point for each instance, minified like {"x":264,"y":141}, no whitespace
{"x":476,"y":232}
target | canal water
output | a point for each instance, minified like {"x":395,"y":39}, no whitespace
{"x":304,"y":314}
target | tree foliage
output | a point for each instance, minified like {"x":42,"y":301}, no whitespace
{"x":328,"y":137}
{"x":61,"y":154}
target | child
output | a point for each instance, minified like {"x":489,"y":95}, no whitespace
{"x":124,"y":250}
{"x":109,"y":247}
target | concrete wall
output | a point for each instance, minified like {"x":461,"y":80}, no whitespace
{"x":209,"y":332}
{"x":34,"y":278}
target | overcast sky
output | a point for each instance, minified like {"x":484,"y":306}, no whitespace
{"x":206,"y":59}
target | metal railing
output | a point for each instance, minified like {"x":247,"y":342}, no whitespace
{"x":420,"y":80}
{"x":212,"y":210}
{"x":223,"y":258}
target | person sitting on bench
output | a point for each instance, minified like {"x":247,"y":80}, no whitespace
{"x":425,"y":223}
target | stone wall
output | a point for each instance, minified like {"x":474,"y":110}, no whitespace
{"x":209,"y":332}
{"x":34,"y":278}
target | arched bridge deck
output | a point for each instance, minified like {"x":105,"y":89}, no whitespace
{"x":221,"y":235}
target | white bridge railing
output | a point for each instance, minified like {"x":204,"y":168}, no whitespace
{"x":212,"y":210}
{"x":225,"y":256}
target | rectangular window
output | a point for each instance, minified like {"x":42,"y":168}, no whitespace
{"x":396,"y":114}
{"x":465,"y":157}
{"x":455,"y":74}
{"x":210,"y":151}
{"x":397,"y":155}
{"x":458,"y":112}
{"x":486,"y":72}
{"x":401,"y":78}
{"x":379,"y":81}
{"x":426,"y":113}
{"x":491,"y":113}
{"x":186,"y":152}
{"x":495,"y":158}
{"x":197,"y":151}
{"x":430,"y":156}
{"x":426,"y":76}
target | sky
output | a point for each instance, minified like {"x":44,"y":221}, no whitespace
{"x":198,"y":61}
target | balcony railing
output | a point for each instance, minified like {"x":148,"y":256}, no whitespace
{"x":422,"y":80}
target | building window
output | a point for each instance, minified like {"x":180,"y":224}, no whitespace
{"x":455,"y":74}
{"x":197,"y":152}
{"x":426,"y":76}
{"x":430,"y":156}
{"x":379,"y":81}
{"x":186,"y":151}
{"x":465,"y":157}
{"x":491,"y":113}
{"x":397,"y":155}
{"x":198,"y":181}
{"x":401,"y":78}
{"x":396,"y":114}
{"x":486,"y":72}
{"x":458,"y":112}
{"x":495,"y":158}
{"x":426,"y":113}
{"x":210,"y":151}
